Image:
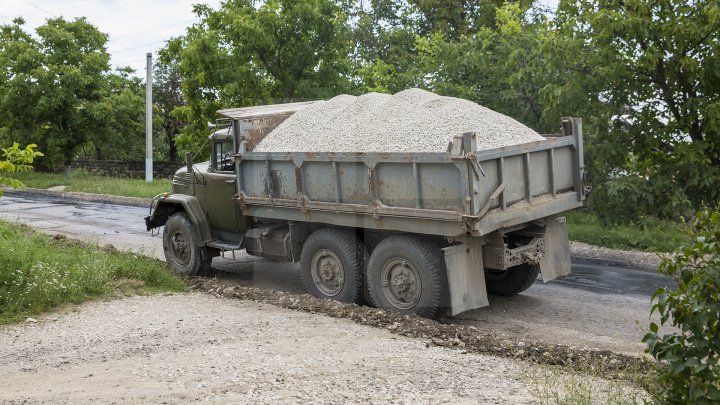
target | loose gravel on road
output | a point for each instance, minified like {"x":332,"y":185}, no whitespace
{"x":195,"y":347}
{"x":412,"y":120}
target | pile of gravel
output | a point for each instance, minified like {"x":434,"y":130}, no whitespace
{"x":412,"y":120}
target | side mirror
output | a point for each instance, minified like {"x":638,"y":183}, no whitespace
{"x":189,"y":162}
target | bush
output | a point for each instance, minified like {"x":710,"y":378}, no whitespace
{"x":689,"y":357}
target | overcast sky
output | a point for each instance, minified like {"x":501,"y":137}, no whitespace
{"x":135,"y":27}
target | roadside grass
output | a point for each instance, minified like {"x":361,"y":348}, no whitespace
{"x":40,"y":272}
{"x":648,"y":234}
{"x":552,"y":384}
{"x":86,"y":182}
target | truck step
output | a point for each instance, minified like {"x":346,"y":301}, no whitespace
{"x":224,"y":245}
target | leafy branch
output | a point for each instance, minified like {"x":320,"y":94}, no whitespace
{"x":16,"y":160}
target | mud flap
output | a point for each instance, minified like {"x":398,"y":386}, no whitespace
{"x":466,"y":278}
{"x":556,"y":261}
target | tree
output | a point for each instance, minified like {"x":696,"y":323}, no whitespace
{"x":167,"y":96}
{"x":50,"y":84}
{"x":458,"y":18}
{"x":119,"y":114}
{"x":15,"y":160}
{"x":385,"y":54}
{"x":656,"y":65}
{"x":246,"y":54}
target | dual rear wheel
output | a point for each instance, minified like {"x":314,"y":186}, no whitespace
{"x":404,"y":273}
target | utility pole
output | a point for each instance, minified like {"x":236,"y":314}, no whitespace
{"x":148,"y":122}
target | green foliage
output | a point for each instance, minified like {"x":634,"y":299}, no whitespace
{"x":50,"y":83}
{"x":167,"y":96}
{"x":645,"y":233}
{"x":85,"y":182}
{"x":656,"y":67}
{"x":39,"y":272}
{"x":57,"y":92}
{"x":119,"y":117}
{"x":247,"y":54}
{"x":691,"y":372}
{"x":15,"y":160}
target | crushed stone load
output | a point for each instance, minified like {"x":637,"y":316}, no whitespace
{"x":412,"y":120}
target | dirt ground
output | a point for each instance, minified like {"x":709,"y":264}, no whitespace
{"x":207,"y":347}
{"x":196,"y":347}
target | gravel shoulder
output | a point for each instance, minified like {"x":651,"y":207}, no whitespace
{"x":646,"y":261}
{"x":196,"y":347}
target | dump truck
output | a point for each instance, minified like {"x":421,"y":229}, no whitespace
{"x":416,"y":233}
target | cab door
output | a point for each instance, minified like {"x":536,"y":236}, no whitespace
{"x":223,"y":213}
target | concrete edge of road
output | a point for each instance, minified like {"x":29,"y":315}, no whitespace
{"x":78,"y":196}
{"x":596,"y":254}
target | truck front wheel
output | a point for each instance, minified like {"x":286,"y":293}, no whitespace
{"x":332,"y":262}
{"x":407,"y":275}
{"x":511,"y":281}
{"x":182,"y":249}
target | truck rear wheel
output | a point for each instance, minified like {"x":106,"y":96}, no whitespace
{"x":511,"y":281}
{"x":407,"y":275}
{"x":182,"y":248}
{"x":332,"y":263}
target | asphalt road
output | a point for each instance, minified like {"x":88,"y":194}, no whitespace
{"x":597,"y":306}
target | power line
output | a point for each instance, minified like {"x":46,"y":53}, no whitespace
{"x":44,"y":11}
{"x":123,"y":50}
{"x":54,"y":13}
{"x":154,"y":29}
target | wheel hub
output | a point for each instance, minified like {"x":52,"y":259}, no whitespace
{"x":327,"y":272}
{"x":401,"y":283}
{"x":180,"y":247}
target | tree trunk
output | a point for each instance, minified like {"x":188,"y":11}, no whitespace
{"x":98,"y":153}
{"x":172,"y":150}
{"x":67,"y":171}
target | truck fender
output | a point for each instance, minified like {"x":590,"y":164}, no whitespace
{"x":466,"y":279}
{"x":556,"y":261}
{"x":166,"y":205}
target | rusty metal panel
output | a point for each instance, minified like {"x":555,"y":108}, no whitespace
{"x":520,"y":213}
{"x":515,"y":173}
{"x":283,"y":182}
{"x":421,"y":224}
{"x":354,"y":182}
{"x":317,"y":179}
{"x":487,"y":184}
{"x":564,"y":176}
{"x":254,"y":178}
{"x":539,"y":173}
{"x":257,"y":129}
{"x":396,"y":185}
{"x":441,"y":187}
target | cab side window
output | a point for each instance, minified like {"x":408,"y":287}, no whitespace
{"x":224,"y":161}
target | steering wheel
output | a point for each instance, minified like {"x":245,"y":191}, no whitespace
{"x":227,"y":164}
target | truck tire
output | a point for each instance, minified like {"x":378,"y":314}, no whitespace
{"x":182,"y":249}
{"x":511,"y":281}
{"x":407,"y":275}
{"x":332,"y":263}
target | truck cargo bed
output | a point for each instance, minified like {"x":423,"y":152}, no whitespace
{"x":451,"y":194}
